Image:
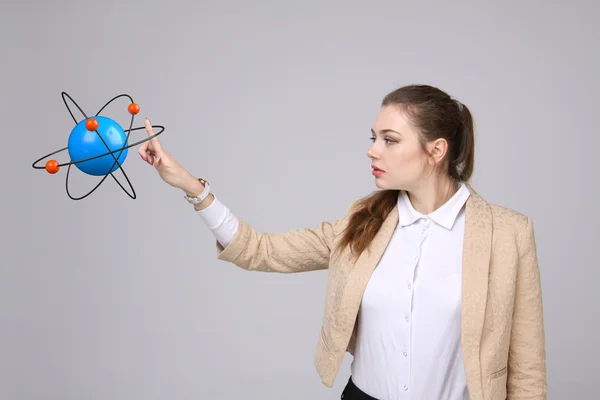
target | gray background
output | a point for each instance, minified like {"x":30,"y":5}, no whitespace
{"x":113,"y":298}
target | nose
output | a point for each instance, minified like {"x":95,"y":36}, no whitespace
{"x":372,"y":154}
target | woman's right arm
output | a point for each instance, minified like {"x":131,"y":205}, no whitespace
{"x":237,"y":242}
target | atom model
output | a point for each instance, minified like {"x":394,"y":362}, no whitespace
{"x":93,"y":143}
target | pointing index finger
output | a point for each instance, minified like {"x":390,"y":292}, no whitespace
{"x":148,"y":126}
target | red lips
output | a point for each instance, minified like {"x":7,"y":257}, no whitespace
{"x":377,"y":172}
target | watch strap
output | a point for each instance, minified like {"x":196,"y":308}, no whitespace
{"x":197,"y":199}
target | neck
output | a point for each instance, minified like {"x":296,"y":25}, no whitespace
{"x":432,"y":195}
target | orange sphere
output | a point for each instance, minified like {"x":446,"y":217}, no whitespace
{"x":52,"y":166}
{"x":91,"y":124}
{"x":133,"y":109}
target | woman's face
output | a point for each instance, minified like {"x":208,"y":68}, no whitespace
{"x":398,"y":158}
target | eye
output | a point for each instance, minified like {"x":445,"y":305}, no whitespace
{"x":387,"y":140}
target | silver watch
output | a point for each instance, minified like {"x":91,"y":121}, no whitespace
{"x":197,"y":199}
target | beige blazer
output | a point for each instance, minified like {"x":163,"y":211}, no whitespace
{"x":502,"y":321}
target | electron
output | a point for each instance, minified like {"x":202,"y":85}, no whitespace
{"x":133,"y":109}
{"x":91,"y":124}
{"x":52,"y":166}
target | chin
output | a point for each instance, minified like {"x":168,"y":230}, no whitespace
{"x":381,"y":184}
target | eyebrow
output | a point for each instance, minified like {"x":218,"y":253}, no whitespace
{"x":384,"y":131}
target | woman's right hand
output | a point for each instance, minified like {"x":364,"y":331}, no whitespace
{"x":168,"y":168}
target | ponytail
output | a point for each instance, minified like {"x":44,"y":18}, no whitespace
{"x":462,"y":157}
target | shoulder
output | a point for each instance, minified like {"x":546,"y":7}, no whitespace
{"x":343,"y":220}
{"x":505,"y":215}
{"x":510,"y":221}
{"x":352,"y":207}
{"x":506,"y":220}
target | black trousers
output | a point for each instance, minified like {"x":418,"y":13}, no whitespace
{"x":352,"y":392}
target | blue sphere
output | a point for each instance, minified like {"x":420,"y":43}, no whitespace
{"x":84,"y":144}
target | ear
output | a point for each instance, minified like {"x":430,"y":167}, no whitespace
{"x":438,"y":149}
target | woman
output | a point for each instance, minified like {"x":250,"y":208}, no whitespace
{"x":435,"y":292}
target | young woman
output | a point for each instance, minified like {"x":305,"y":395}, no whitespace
{"x":434,"y":291}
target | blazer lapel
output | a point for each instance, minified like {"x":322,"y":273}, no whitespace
{"x":360,"y":273}
{"x":369,"y":259}
{"x":476,"y":260}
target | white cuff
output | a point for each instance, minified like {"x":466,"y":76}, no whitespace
{"x":221,"y":222}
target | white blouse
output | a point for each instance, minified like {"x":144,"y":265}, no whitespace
{"x":408,"y":344}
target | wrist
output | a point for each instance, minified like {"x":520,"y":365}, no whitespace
{"x":205,"y":203}
{"x":192,"y":186}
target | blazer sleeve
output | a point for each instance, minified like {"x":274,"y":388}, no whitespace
{"x":299,"y":250}
{"x":527,"y":354}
